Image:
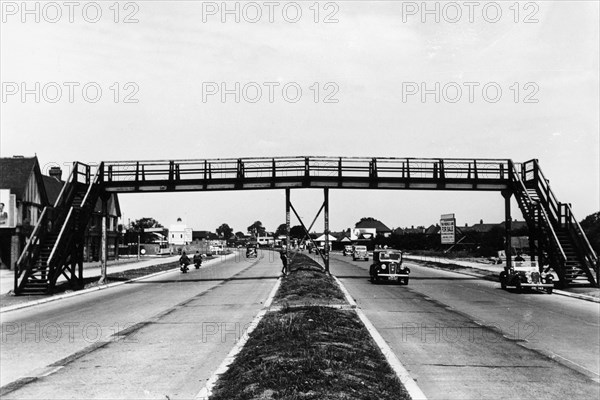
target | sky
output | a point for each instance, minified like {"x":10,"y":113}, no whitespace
{"x":376,"y":78}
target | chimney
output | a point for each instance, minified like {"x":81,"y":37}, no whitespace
{"x":480,"y":222}
{"x":55,"y":172}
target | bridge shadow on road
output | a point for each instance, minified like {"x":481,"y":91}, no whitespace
{"x":414,"y":278}
{"x":258,"y":278}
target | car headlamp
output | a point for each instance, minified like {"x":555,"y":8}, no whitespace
{"x":383,"y":266}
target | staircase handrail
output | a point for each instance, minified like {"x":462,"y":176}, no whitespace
{"x":68,"y":218}
{"x":60,"y":235}
{"x":32,"y":238}
{"x":523,"y":189}
{"x":555,"y":237}
{"x":581,"y":233}
{"x":62,"y":191}
{"x":91,"y":185}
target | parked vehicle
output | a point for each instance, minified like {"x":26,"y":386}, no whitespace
{"x":347,"y":250}
{"x":524,"y":274}
{"x":360,"y":252}
{"x":387,"y":264}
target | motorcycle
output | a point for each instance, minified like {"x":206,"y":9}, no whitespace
{"x":198,"y":264}
{"x":184,"y":268}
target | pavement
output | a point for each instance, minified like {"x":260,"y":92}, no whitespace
{"x":92,"y":269}
{"x":481,"y":268}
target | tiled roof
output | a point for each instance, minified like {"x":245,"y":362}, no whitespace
{"x":53,"y":187}
{"x":370,"y":224}
{"x":15,"y":172}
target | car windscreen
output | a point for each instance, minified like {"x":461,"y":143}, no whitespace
{"x":390,"y":256}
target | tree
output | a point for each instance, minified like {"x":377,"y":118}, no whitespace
{"x":239,"y":234}
{"x":224,"y":231}
{"x":281,"y":230}
{"x":145,"y":223}
{"x":297,"y":232}
{"x":363,"y":219}
{"x":591,"y":227}
{"x":257,"y":228}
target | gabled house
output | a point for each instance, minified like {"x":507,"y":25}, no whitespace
{"x":20,"y":177}
{"x":369,"y":228}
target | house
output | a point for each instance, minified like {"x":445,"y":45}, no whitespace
{"x":482,"y":227}
{"x":180,"y":234}
{"x":23,"y":199}
{"x":410,"y":231}
{"x":22,"y":178}
{"x":372,"y":227}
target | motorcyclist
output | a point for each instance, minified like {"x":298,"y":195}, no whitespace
{"x":184,"y":261}
{"x":197,"y":259}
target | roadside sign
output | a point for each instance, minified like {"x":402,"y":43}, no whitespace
{"x":8,"y":208}
{"x":448,"y":229}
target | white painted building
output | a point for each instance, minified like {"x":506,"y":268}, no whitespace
{"x":179,"y":233}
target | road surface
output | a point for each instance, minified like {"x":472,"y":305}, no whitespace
{"x":462,"y":337}
{"x":154,"y":338}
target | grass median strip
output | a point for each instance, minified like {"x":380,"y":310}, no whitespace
{"x":309,"y":350}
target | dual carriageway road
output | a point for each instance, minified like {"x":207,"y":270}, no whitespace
{"x":460,"y":337}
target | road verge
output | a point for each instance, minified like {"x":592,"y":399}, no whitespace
{"x":310,"y":344}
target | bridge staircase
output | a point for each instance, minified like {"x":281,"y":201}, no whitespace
{"x":560,"y":239}
{"x":55,"y":246}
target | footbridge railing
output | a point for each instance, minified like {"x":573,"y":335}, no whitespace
{"x":305,"y":171}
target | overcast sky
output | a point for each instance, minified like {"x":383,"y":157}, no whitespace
{"x":365,"y":59}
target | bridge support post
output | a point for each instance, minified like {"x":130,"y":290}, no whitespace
{"x":326,"y":210}
{"x":507,"y":227}
{"x":287,"y":229}
{"x":104,"y":241}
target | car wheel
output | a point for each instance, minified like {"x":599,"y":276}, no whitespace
{"x":406,"y":281}
{"x":503,"y":280}
{"x":353,"y":258}
{"x":518,"y":285}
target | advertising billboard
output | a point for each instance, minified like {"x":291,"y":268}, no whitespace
{"x":8,"y":207}
{"x":448,"y":229}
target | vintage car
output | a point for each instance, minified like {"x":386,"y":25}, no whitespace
{"x":252,"y":251}
{"x":526,"y":274}
{"x":387,"y":264}
{"x":347,"y":250}
{"x":360,"y":252}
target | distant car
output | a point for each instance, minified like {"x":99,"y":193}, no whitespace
{"x":387,"y":264}
{"x":347,"y":250}
{"x":360,"y":252}
{"x":526,"y":274}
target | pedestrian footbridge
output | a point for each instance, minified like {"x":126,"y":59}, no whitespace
{"x":55,"y":246}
